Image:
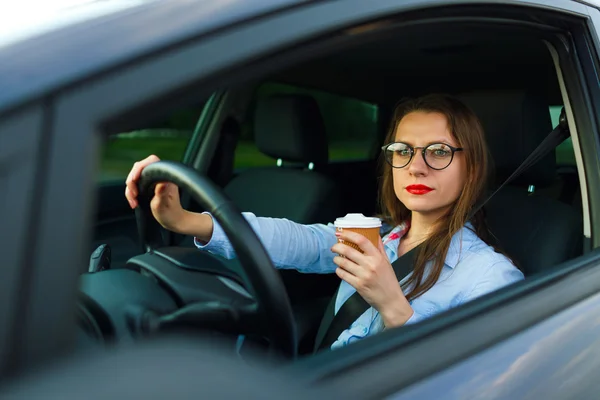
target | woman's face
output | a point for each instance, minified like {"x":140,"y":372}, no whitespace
{"x":441,"y":187}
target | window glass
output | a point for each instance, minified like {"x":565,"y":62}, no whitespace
{"x":565,"y":155}
{"x":351,"y":127}
{"x":166,"y":139}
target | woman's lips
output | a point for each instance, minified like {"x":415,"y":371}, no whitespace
{"x":418,"y":189}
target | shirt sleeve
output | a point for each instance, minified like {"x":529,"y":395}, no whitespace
{"x":498,"y":275}
{"x":356,"y":332}
{"x":306,"y":248}
{"x":416,"y":317}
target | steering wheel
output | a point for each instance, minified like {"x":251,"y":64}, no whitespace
{"x":273,"y":305}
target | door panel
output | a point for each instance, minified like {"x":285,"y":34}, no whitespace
{"x":558,"y":358}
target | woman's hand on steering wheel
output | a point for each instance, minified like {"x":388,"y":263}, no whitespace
{"x":274,"y":317}
{"x":165,"y":204}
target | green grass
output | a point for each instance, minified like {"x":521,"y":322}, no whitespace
{"x":349,"y":151}
{"x":119,"y":154}
{"x":565,"y":155}
{"x":247,"y":154}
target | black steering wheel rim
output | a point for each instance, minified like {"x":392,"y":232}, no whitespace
{"x":266,"y":284}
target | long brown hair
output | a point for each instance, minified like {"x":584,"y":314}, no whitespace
{"x":468,"y":132}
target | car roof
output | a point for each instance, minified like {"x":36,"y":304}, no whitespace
{"x":30,"y":18}
{"x":93,"y":36}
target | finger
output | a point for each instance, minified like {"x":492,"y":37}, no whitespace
{"x":346,"y":276}
{"x":360,"y":240}
{"x":348,"y":252}
{"x":161,"y":188}
{"x":130,"y":184}
{"x":380,"y":246}
{"x":172,"y":190}
{"x":128,"y":196}
{"x":134,"y":175}
{"x":139,"y":166}
{"x":129,"y":178}
{"x":133,"y":189}
{"x":136,"y":172}
{"x":131,"y":173}
{"x":348,"y":266}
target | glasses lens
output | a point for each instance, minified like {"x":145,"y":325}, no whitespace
{"x":438,"y":155}
{"x":398,"y":154}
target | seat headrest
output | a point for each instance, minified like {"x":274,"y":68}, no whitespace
{"x":515,"y":122}
{"x":290,"y":127}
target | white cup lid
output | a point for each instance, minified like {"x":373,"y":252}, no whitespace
{"x":357,"y":220}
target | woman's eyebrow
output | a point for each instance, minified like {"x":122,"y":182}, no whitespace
{"x":442,"y":140}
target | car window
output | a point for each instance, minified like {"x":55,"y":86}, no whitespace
{"x":167,"y":139}
{"x":565,"y":155}
{"x":351,"y":126}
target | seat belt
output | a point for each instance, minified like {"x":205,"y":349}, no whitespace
{"x":333,"y":324}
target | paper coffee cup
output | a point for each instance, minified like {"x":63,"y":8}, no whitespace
{"x":369,"y":227}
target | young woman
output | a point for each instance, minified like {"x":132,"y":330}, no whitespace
{"x":434,"y":174}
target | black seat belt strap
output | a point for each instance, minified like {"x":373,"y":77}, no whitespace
{"x":333,"y":324}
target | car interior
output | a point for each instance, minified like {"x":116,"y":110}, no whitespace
{"x":297,"y":120}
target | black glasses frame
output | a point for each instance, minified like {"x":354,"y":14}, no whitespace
{"x":422,"y":148}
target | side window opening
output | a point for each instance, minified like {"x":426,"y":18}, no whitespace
{"x":351,"y":126}
{"x":568,"y":188}
{"x":565,"y":155}
{"x":167,"y":139}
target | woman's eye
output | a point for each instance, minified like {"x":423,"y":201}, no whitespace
{"x":439,"y":151}
{"x":403,"y":153}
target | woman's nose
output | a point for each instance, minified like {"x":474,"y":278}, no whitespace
{"x":417,"y":165}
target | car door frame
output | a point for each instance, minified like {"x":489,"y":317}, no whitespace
{"x":74,"y":117}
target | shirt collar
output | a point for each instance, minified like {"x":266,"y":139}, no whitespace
{"x":392,"y":239}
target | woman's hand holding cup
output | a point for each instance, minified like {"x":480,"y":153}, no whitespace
{"x":363,"y":263}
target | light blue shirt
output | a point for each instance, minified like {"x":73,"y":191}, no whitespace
{"x":472,"y":268}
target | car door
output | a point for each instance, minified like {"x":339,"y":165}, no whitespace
{"x":379,"y":366}
{"x":51,"y":153}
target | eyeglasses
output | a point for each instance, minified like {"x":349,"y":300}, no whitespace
{"x":436,"y":155}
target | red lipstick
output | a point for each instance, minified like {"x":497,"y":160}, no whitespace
{"x":418,"y":189}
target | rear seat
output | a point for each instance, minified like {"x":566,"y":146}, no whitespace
{"x":288,"y":128}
